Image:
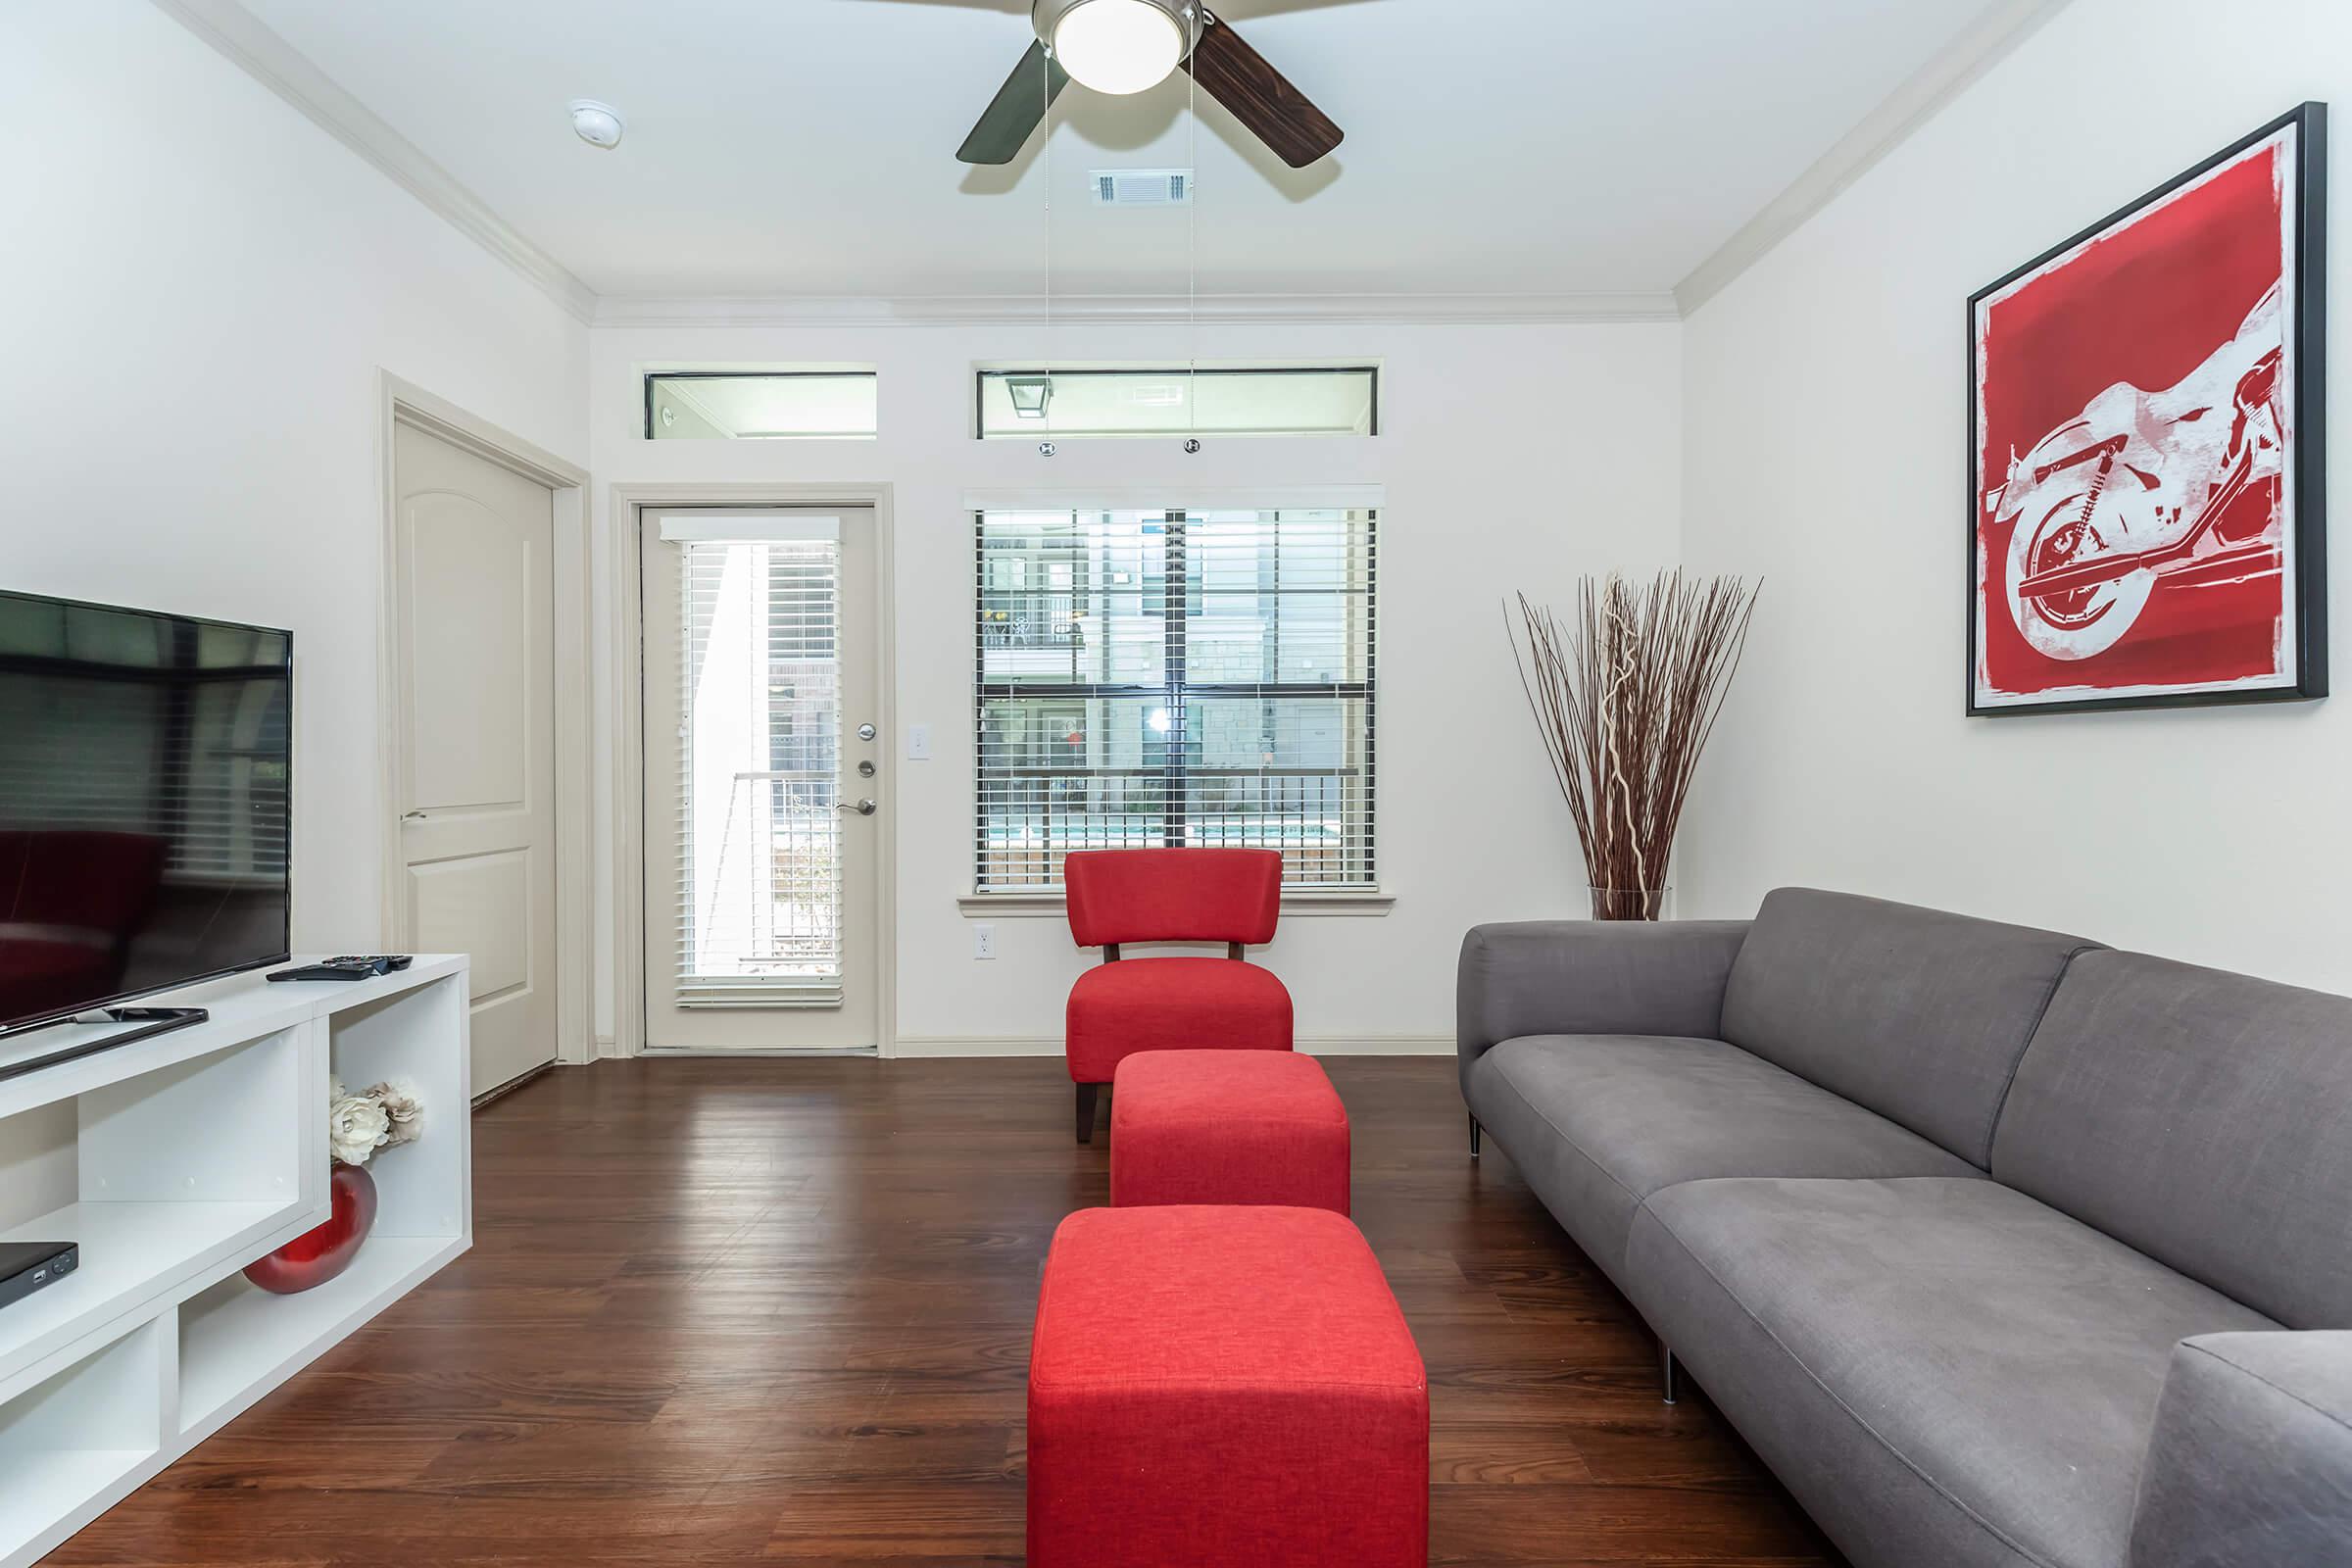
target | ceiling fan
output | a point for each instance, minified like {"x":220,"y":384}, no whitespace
{"x":1125,"y":46}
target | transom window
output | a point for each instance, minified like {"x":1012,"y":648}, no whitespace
{"x":1082,"y":402}
{"x":761,"y":405}
{"x":1175,"y":678}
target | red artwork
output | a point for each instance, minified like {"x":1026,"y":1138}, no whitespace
{"x":2146,"y":517}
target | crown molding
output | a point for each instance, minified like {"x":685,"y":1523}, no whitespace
{"x":1978,"y":48}
{"x":277,"y":65}
{"x":1220,"y":310}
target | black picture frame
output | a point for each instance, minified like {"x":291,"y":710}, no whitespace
{"x":2306,"y":336}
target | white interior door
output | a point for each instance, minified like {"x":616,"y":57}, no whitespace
{"x":762,"y":783}
{"x":475,"y":596}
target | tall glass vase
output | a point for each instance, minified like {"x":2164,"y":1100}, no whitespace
{"x":1631,"y":903}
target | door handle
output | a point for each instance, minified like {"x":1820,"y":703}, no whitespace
{"x":862,"y":808}
{"x":414,"y":816}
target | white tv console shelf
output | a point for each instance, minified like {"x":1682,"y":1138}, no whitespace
{"x":177,"y":1160}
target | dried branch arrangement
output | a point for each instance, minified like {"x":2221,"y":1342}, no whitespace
{"x":1626,"y":691}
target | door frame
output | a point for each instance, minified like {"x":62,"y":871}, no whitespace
{"x":624,"y":549}
{"x":405,"y":403}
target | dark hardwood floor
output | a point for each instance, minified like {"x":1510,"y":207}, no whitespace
{"x":724,"y":1313}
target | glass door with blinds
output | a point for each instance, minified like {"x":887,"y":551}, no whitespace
{"x":1178,"y":677}
{"x":763,"y":779}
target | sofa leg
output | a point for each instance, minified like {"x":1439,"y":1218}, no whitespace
{"x":1666,"y":1371}
{"x":1086,"y":1112}
{"x":1474,"y":1130}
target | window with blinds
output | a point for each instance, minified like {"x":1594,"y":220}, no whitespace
{"x":1176,"y":678}
{"x":760,"y":841}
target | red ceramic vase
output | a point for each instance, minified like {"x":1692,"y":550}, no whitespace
{"x":318,"y":1256}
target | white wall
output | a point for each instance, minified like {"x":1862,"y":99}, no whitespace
{"x":1512,"y":458}
{"x":201,"y":287}
{"x":1826,"y":399}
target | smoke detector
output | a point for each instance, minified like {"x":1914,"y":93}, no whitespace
{"x":596,"y":123}
{"x":1143,"y":188}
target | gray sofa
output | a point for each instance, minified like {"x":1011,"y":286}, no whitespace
{"x":2000,"y":1247}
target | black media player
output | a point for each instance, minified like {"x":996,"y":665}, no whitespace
{"x":27,"y":1266}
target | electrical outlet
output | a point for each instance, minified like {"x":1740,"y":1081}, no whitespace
{"x":918,"y":743}
{"x":984,"y":942}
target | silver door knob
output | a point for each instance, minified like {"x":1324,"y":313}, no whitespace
{"x":862,"y":808}
{"x":867,"y":732}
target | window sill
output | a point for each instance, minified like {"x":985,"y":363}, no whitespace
{"x":1358,"y":904}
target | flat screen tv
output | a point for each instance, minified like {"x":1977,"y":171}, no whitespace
{"x":145,"y":772}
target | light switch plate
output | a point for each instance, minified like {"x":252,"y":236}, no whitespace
{"x":918,"y":743}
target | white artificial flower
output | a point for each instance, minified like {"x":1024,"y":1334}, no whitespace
{"x":356,"y":1128}
{"x":403,"y":1106}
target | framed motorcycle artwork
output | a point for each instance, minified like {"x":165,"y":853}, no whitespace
{"x":2147,"y":447}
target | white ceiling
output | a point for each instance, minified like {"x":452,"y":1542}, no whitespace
{"x":806,"y":147}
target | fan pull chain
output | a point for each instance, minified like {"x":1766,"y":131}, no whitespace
{"x":1192,"y":245}
{"x":1046,"y":448}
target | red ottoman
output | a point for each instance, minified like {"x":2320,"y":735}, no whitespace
{"x":1224,"y":1387}
{"x":1227,"y":1127}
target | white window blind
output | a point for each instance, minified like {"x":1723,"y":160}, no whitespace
{"x":1176,"y":677}
{"x":759,"y":841}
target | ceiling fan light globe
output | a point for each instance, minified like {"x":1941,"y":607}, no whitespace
{"x":1118,"y":46}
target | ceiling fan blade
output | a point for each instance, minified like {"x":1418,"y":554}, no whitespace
{"x":1019,"y":108}
{"x":1260,"y":96}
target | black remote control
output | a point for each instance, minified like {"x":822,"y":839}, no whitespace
{"x":350,"y":966}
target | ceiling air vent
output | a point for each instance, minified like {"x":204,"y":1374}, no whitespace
{"x":1143,"y":188}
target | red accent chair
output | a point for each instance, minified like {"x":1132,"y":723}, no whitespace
{"x":1123,"y":896}
{"x":1227,"y":1388}
{"x":1227,"y":1127}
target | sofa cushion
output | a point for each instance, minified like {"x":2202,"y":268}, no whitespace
{"x":2205,"y":1118}
{"x":1942,"y":1371}
{"x":1599,"y":1122}
{"x":1919,"y":1014}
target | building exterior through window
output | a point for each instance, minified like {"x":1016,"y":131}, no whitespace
{"x":1176,"y":678}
